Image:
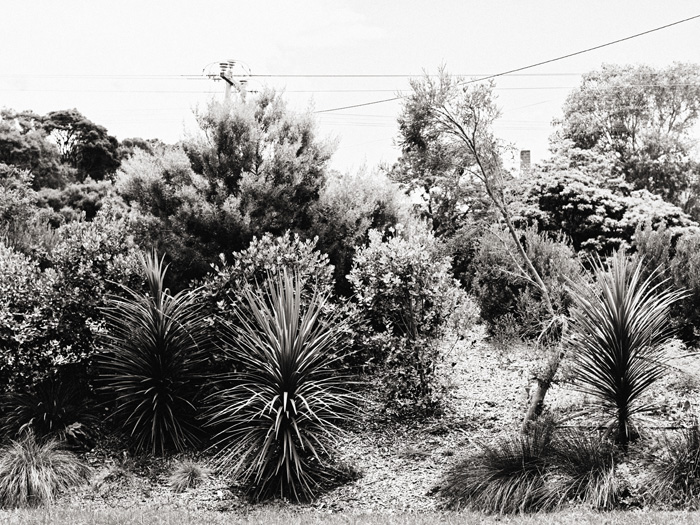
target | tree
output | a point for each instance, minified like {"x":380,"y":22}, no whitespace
{"x":644,"y":117}
{"x":24,"y":144}
{"x":264,"y":155}
{"x":459,"y":114}
{"x":434,"y":165}
{"x":253,"y":167}
{"x":595,"y":217}
{"x":82,"y":144}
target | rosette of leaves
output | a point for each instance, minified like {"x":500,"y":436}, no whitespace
{"x":618,"y":339}
{"x":153,"y":368}
{"x":280,"y":415}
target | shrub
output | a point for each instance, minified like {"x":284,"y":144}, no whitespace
{"x":26,"y":319}
{"x":278,"y":416}
{"x":349,"y":205}
{"x":411,"y":300}
{"x":506,"y":477}
{"x":585,"y":471}
{"x":618,"y":335}
{"x":156,"y":349}
{"x":675,"y":476}
{"x":33,"y":473}
{"x":501,"y":288}
{"x":54,"y":407}
{"x":187,"y":475}
{"x":405,"y":286}
{"x":685,"y":270}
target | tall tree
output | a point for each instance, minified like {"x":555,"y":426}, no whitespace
{"x":264,"y":155}
{"x":645,"y":118}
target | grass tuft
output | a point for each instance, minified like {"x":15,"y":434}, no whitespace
{"x":504,"y":478}
{"x":585,"y":471}
{"x":675,"y":475}
{"x":187,"y":475}
{"x":33,"y":473}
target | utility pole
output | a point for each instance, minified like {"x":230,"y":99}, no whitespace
{"x":226,"y":72}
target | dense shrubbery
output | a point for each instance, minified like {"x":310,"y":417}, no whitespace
{"x":349,"y":205}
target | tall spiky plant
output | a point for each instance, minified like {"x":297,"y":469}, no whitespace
{"x":619,"y":337}
{"x":152,"y":368}
{"x":278,"y":415}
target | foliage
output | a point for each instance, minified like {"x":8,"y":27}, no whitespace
{"x":618,"y":339}
{"x":152,"y":370}
{"x":506,"y":477}
{"x":174,"y":212}
{"x":435,"y":161}
{"x":76,"y":200}
{"x":266,"y":157}
{"x":405,"y":285}
{"x":33,"y":473}
{"x":644,"y":118}
{"x":251,"y":168}
{"x":265,"y":256}
{"x":55,"y":407}
{"x":349,"y":205}
{"x":685,"y":271}
{"x":411,"y":300}
{"x":585,"y":471}
{"x":675,"y":475}
{"x":24,"y":144}
{"x":91,"y":260}
{"x":82,"y":144}
{"x":501,"y":286}
{"x":279,"y":414}
{"x":594,"y":217}
{"x":26,"y":319}
{"x":187,"y":475}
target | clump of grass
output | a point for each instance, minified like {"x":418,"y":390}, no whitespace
{"x":187,"y":475}
{"x":504,"y":478}
{"x":33,"y":473}
{"x":585,"y":471}
{"x":675,"y":475}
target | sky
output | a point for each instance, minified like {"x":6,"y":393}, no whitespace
{"x":140,"y":68}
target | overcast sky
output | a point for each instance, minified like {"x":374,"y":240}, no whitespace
{"x":138,"y":67}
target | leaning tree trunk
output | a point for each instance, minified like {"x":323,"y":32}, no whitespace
{"x":541,"y":383}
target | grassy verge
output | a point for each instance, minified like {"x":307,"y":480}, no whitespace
{"x":276,"y":517}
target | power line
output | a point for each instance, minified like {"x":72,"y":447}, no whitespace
{"x":512,"y":71}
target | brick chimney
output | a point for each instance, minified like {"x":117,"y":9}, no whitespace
{"x":525,"y":162}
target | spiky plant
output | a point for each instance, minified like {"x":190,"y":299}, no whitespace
{"x":619,"y":337}
{"x":32,"y":473}
{"x":585,"y":470}
{"x":279,"y":415}
{"x":152,"y":369}
{"x":53,"y":407}
{"x":506,"y":477}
